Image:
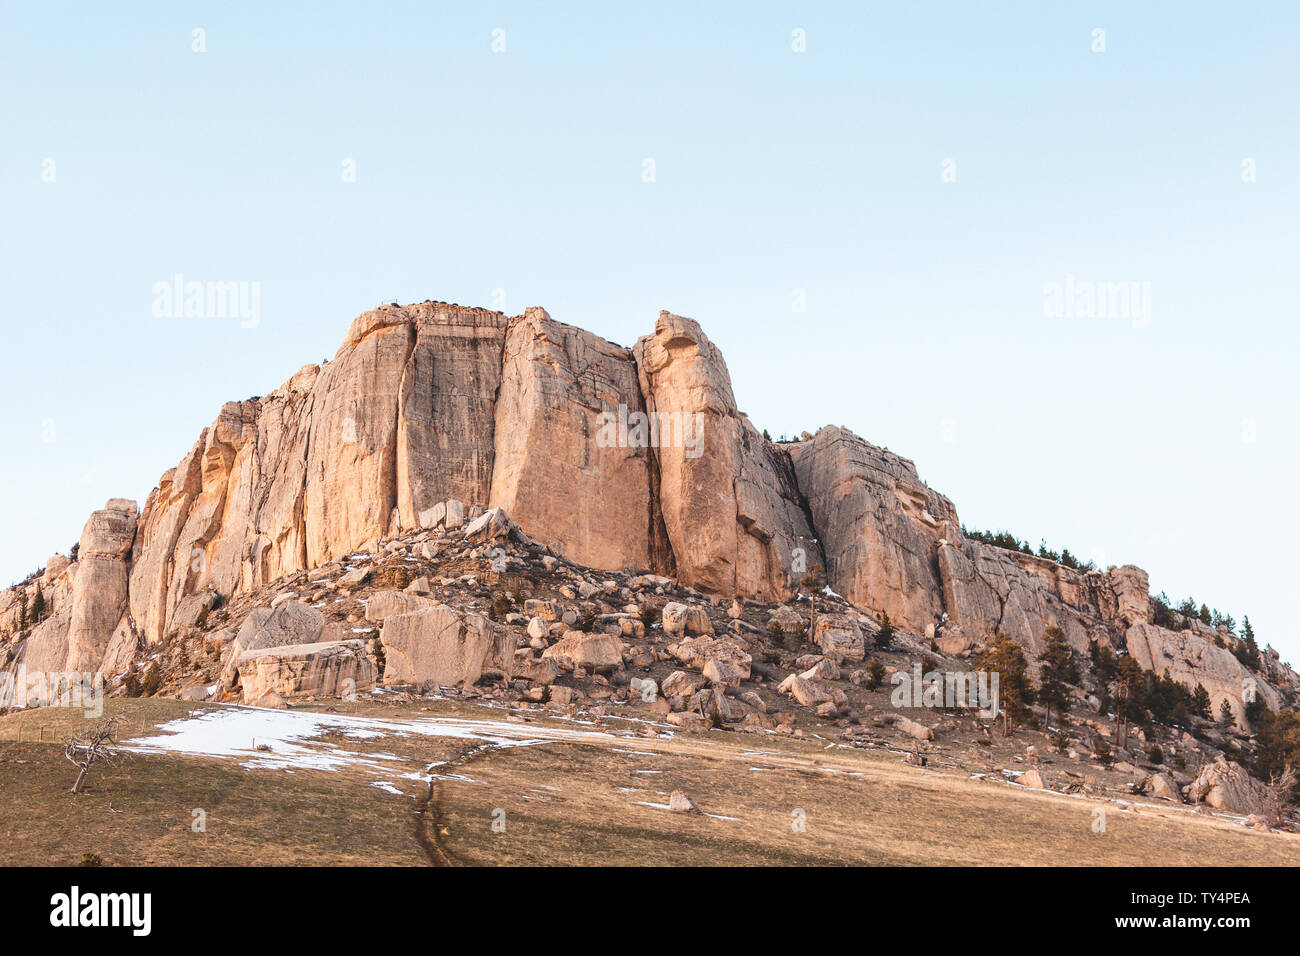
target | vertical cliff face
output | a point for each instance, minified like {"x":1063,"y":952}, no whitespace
{"x":554,"y":471}
{"x":727,"y":495}
{"x":618,"y":457}
{"x":879,"y":525}
{"x":446,"y":416}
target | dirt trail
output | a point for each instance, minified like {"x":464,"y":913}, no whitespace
{"x":429,"y":812}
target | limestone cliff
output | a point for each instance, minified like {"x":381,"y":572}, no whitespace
{"x":616,"y":458}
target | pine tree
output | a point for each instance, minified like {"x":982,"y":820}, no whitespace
{"x":1005,"y":658}
{"x":1057,"y":670}
{"x":813,"y":582}
{"x":1130,"y":696}
{"x":22,"y":610}
{"x":884,"y":638}
{"x":38,"y":606}
{"x":1201,"y":702}
{"x":1225,"y":714}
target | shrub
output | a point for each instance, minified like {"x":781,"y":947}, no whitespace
{"x":152,"y":681}
{"x":875,"y":673}
{"x":1101,"y":753}
{"x":1156,"y":755}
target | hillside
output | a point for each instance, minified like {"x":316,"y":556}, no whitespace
{"x":466,"y":506}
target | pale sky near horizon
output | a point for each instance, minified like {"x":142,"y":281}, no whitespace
{"x":1165,"y":439}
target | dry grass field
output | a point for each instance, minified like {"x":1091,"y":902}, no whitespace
{"x":314,"y":787}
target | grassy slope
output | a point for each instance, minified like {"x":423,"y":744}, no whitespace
{"x":861,"y":807}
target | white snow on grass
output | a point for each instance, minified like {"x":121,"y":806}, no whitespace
{"x":281,"y":739}
{"x":387,"y":787}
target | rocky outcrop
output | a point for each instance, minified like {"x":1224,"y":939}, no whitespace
{"x":327,"y":669}
{"x":879,"y":525}
{"x":443,"y":646}
{"x":99,"y":597}
{"x":1226,"y":786}
{"x":728,"y":496}
{"x":88,"y":598}
{"x":614,"y":458}
{"x":1191,"y":659}
{"x":559,"y":470}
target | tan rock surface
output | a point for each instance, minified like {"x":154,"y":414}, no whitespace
{"x":553,"y":472}
{"x":327,"y":669}
{"x":728,"y":496}
{"x":444,"y":646}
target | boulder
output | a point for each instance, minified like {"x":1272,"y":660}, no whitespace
{"x":839,"y":637}
{"x":594,"y":651}
{"x":1162,"y":786}
{"x":1226,"y":786}
{"x":680,"y":619}
{"x":491,"y":525}
{"x":539,"y":671}
{"x":444,"y":646}
{"x":697,"y":651}
{"x":330,"y":669}
{"x":679,"y":802}
{"x":787,"y":618}
{"x":289,"y":623}
{"x":724,"y":674}
{"x":385,"y":603}
{"x":1032,"y":777}
{"x":913,"y":729}
{"x":809,"y":693}
{"x":680,"y":683}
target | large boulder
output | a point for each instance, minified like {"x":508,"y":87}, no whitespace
{"x":807,"y":692}
{"x":289,"y":623}
{"x":680,"y":619}
{"x":1163,"y":787}
{"x":444,"y":646}
{"x":383,"y":604}
{"x":593,"y":651}
{"x":697,"y":652}
{"x":329,"y":669}
{"x":839,"y":637}
{"x":1226,"y":786}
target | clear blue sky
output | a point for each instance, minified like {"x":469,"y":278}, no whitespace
{"x":925,"y":327}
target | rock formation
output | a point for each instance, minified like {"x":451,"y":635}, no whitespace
{"x":618,"y":459}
